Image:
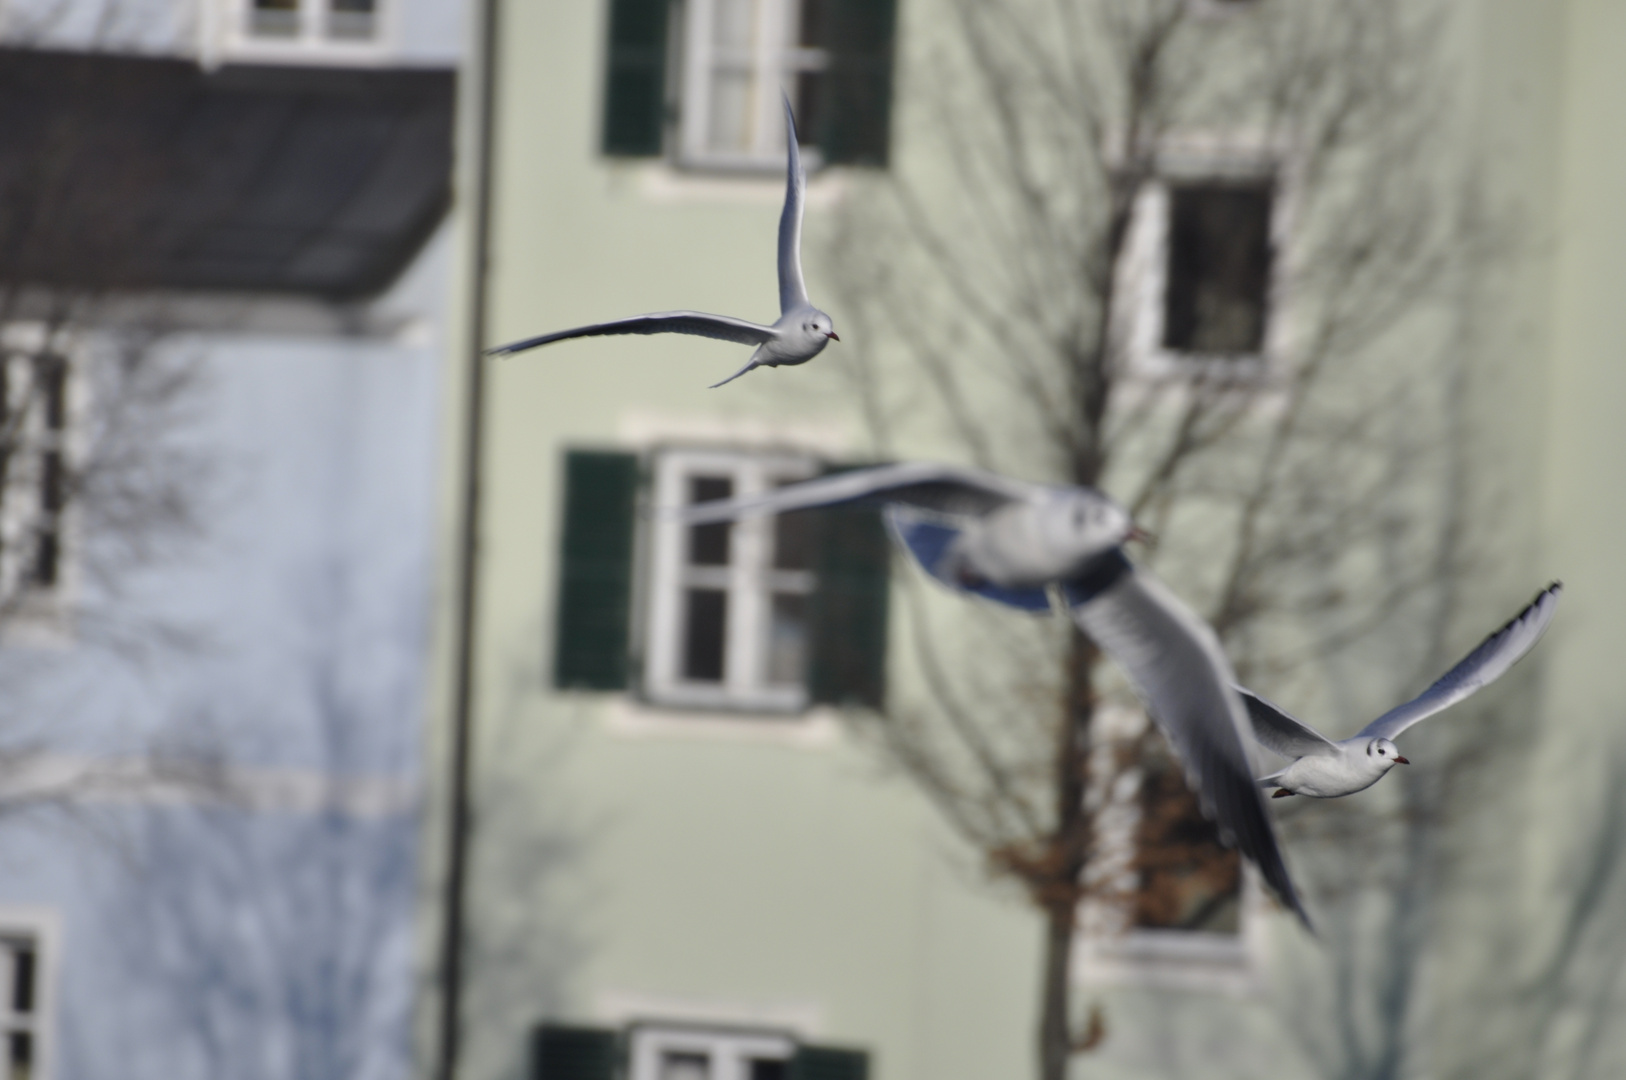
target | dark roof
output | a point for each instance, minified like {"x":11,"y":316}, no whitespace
{"x":134,"y":172}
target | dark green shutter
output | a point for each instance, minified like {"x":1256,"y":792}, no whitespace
{"x":595,"y":571}
{"x":829,"y":1063}
{"x":849,"y":610}
{"x":564,"y":1052}
{"x":635,"y":78}
{"x":856,"y":104}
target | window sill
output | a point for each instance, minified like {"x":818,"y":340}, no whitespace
{"x":1238,"y":369}
{"x":665,"y":182}
{"x":1175,"y":959}
{"x":630,"y":718}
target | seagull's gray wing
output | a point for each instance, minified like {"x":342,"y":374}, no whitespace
{"x":661,"y":322}
{"x":947,"y":489}
{"x":1175,"y":664}
{"x":1479,"y":668}
{"x":792,"y":293}
{"x":1278,"y":731}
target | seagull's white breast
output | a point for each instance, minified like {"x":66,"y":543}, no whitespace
{"x":1327,"y":776}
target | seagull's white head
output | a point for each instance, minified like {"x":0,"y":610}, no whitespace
{"x":1386,"y":753}
{"x":1083,"y":523}
{"x":817,"y":328}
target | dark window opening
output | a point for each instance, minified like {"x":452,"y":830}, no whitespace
{"x":47,"y":557}
{"x":22,"y":980}
{"x":794,"y":541}
{"x":6,"y":443}
{"x":705,"y":627}
{"x":812,"y":34}
{"x":20,"y":1055}
{"x":769,"y":1069}
{"x":708,"y":544}
{"x":47,"y":544}
{"x":51,"y":374}
{"x":1219,"y":262}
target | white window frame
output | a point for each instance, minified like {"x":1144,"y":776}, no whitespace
{"x":1109,"y":950}
{"x":1142,"y":274}
{"x":310,"y":45}
{"x":774,"y":61}
{"x":38,"y":928}
{"x":749,"y":580}
{"x":41,"y":612}
{"x":729,"y":1050}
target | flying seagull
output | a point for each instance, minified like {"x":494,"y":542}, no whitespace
{"x":1016,"y":543}
{"x":1325,"y":769}
{"x":1001,"y":537}
{"x":802,"y":330}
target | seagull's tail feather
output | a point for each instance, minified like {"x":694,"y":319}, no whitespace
{"x":736,"y":375}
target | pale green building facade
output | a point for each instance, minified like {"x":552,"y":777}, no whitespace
{"x":684,"y":845}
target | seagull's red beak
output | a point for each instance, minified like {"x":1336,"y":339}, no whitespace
{"x":832,"y":336}
{"x":1138,"y":533}
{"x":1400,"y":760}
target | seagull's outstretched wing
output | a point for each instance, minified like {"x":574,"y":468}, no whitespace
{"x":661,"y":322}
{"x":947,"y":489}
{"x":1278,"y":731}
{"x":1175,"y":664}
{"x":1479,"y":668}
{"x":792,"y":293}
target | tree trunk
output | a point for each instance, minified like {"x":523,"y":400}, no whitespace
{"x":1063,"y":887}
{"x":1056,"y":993}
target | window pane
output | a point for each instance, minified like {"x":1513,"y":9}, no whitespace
{"x":705,"y":627}
{"x":811,"y":32}
{"x":22,"y":980}
{"x":708,"y":544}
{"x":808,"y":84}
{"x":729,"y":125}
{"x":274,"y":18}
{"x":685,"y":1066}
{"x":20,"y":1055}
{"x":787,"y":639}
{"x":734,"y":23}
{"x":52,"y":374}
{"x":47,"y":558}
{"x":793,"y":538}
{"x":768,"y":1069}
{"x":1218,"y":269}
{"x":351,"y":20}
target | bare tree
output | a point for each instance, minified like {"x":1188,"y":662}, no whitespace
{"x":1297,"y":457}
{"x":100,"y":473}
{"x":271,"y":908}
